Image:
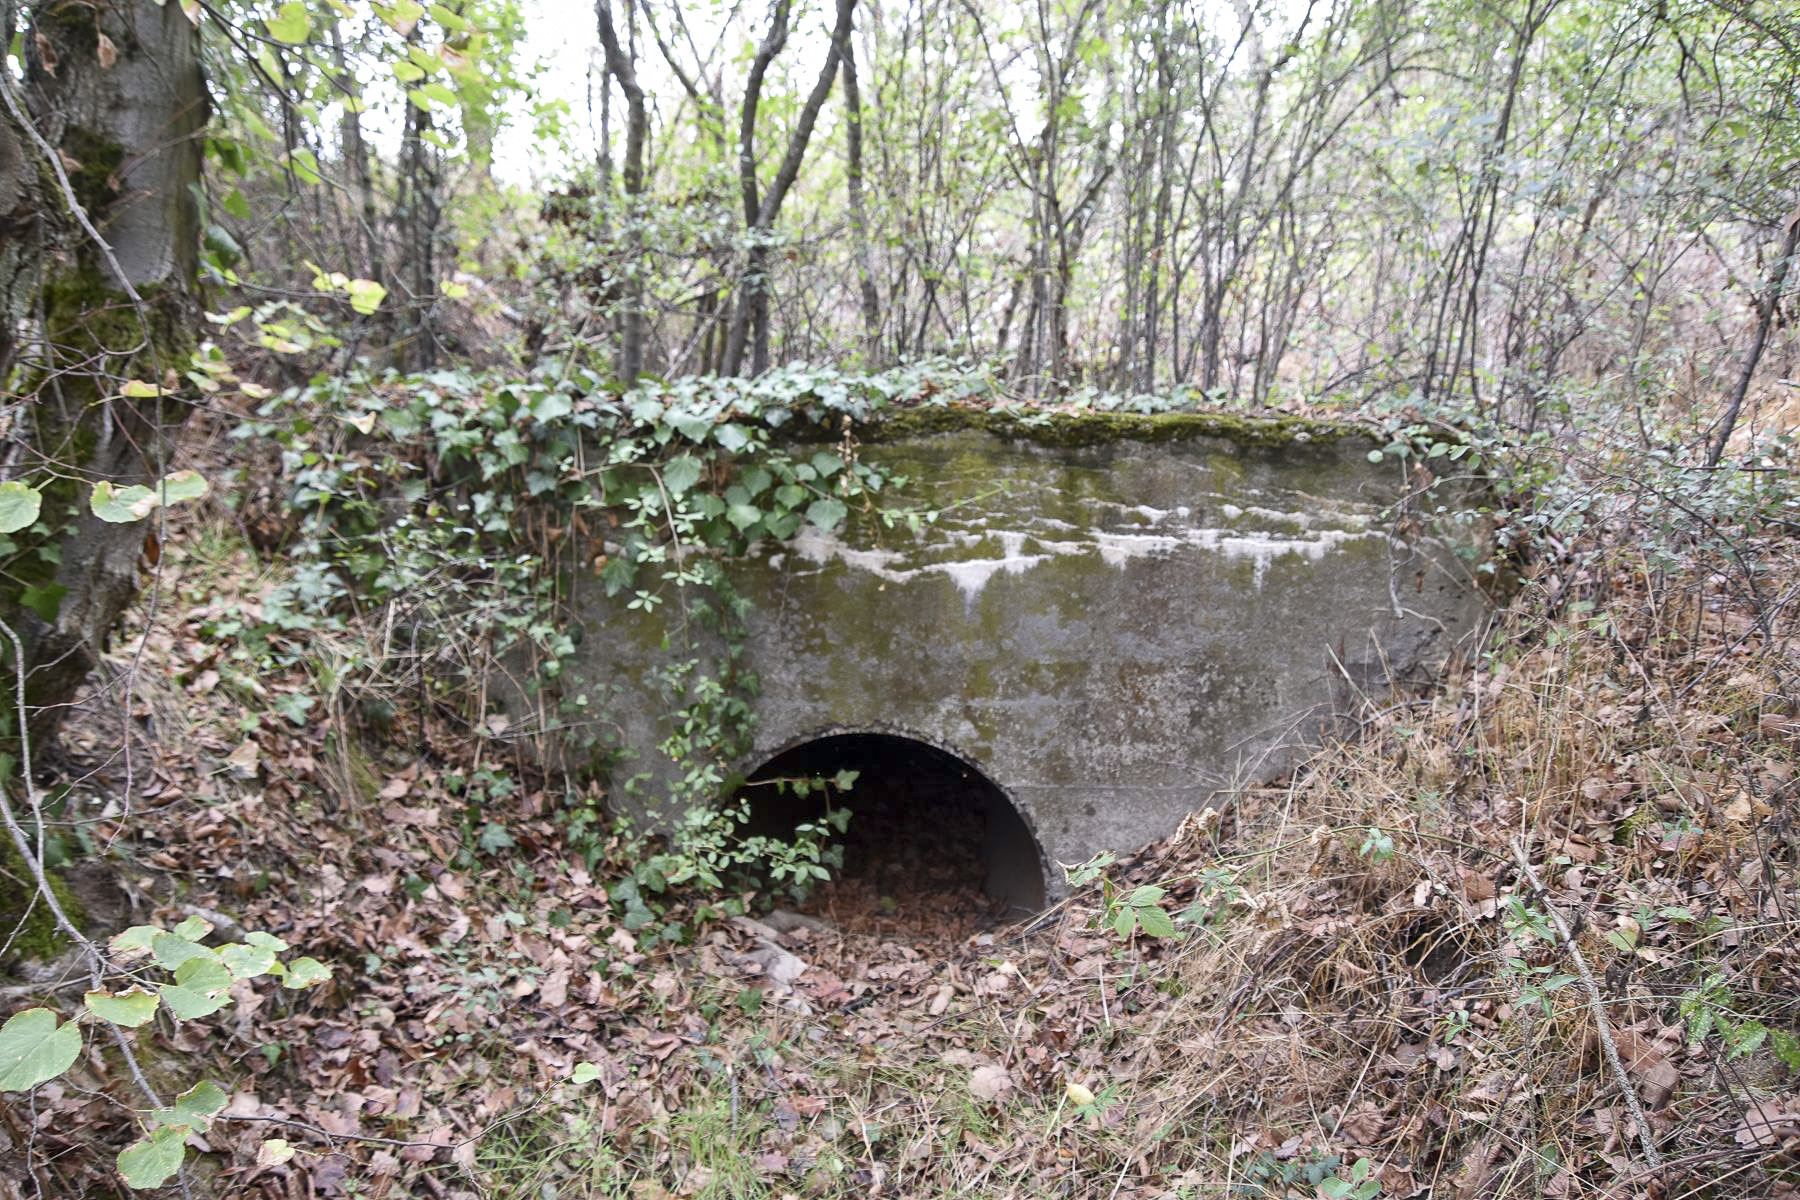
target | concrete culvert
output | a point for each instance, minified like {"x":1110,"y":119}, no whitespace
{"x":929,"y":835}
{"x":1115,"y":618}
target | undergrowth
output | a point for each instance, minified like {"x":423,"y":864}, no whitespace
{"x":1344,"y":985}
{"x":1365,"y":995}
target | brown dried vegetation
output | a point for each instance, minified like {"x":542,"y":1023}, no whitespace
{"x":1353,"y":977}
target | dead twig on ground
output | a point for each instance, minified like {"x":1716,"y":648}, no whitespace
{"x":1609,"y":1046}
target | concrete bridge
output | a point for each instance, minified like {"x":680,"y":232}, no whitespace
{"x":1113,"y":619}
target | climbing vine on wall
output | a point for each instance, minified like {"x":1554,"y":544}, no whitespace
{"x":474,"y":508}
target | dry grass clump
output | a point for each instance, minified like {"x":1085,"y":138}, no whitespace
{"x":1378,"y":979}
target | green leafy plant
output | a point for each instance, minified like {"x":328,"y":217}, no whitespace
{"x":1217,"y":893}
{"x":1524,"y":922}
{"x":1537,"y":984}
{"x":1125,"y":913}
{"x":178,"y":975}
{"x":1266,"y":1175}
{"x":1377,"y":846}
{"x":1708,"y":1008}
{"x":1359,"y":1184}
{"x":536,"y":481}
{"x":1141,"y":909}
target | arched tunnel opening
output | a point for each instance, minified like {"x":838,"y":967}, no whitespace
{"x":929,"y":837}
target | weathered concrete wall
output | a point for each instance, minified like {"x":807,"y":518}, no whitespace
{"x":1112,"y":621}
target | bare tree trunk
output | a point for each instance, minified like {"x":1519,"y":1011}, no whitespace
{"x":623,"y":67}
{"x":418,"y":217}
{"x":126,"y":141}
{"x":859,"y":221}
{"x":355,"y":151}
{"x":21,"y":224}
{"x":760,"y":212}
{"x":1766,"y":306}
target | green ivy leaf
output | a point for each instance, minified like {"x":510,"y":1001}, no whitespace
{"x":44,"y":599}
{"x":130,"y":1009}
{"x":305,"y":973}
{"x":365,"y":295}
{"x":150,"y":1162}
{"x":193,"y":1109}
{"x":186,"y":1004}
{"x":743,"y":516}
{"x":193,"y":928}
{"x":291,"y":23}
{"x":138,"y":937}
{"x":681,"y":474}
{"x":826,"y":514}
{"x":172,"y":950}
{"x":34,"y":1047}
{"x":199,"y":988}
{"x":553,"y":406}
{"x":584,"y":1072}
{"x":121,"y":506}
{"x":19,"y":504}
{"x":182,"y":486}
{"x":247,"y":962}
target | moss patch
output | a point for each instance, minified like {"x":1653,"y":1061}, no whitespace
{"x":37,"y":938}
{"x":1077,"y":430}
{"x":94,"y":175}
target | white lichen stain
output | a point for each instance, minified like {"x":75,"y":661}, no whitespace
{"x":1116,"y":547}
{"x":969,"y":575}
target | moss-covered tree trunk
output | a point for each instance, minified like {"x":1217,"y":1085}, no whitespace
{"x":114,"y":90}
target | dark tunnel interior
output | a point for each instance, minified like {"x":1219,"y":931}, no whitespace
{"x":926,"y":829}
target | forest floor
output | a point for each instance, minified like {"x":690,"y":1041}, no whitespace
{"x":1367,"y":994}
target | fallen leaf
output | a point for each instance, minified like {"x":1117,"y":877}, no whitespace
{"x":1649,"y":1068}
{"x":1769,"y":1122}
{"x":990,"y":1083}
{"x":554,"y":990}
{"x":243,"y":762}
{"x":1477,"y":887}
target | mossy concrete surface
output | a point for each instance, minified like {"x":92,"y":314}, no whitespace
{"x":1113,"y":625}
{"x":1070,"y":429}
